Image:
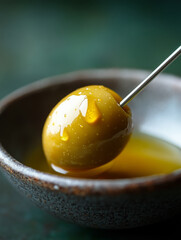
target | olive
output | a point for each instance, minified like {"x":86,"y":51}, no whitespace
{"x":86,"y":129}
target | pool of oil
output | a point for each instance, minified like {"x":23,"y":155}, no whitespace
{"x":144,"y":155}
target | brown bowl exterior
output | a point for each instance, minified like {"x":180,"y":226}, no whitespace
{"x":112,"y":204}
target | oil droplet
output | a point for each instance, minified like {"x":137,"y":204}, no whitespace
{"x":65,"y":115}
{"x":93,"y":114}
{"x":81,"y":126}
{"x":64,"y":136}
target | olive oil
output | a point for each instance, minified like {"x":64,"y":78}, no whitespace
{"x":144,"y":155}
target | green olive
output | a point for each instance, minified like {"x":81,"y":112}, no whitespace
{"x":86,"y":129}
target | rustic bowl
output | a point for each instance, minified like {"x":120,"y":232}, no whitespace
{"x":116,"y":204}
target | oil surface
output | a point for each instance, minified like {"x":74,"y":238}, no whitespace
{"x":144,"y":155}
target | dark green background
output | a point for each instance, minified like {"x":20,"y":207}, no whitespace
{"x":43,"y":38}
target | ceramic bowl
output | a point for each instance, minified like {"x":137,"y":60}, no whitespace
{"x":116,"y":204}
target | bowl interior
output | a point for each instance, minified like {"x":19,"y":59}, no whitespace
{"x":155,"y":111}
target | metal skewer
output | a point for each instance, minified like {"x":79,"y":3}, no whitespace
{"x":144,"y":83}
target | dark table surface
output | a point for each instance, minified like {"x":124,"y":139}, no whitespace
{"x":43,"y":38}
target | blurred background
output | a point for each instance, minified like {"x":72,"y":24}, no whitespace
{"x":44,"y":38}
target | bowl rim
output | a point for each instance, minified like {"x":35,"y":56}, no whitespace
{"x":79,"y":185}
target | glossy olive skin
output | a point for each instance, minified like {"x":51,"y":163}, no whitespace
{"x":86,"y":129}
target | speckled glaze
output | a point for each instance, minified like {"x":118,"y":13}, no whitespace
{"x":109,"y":204}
